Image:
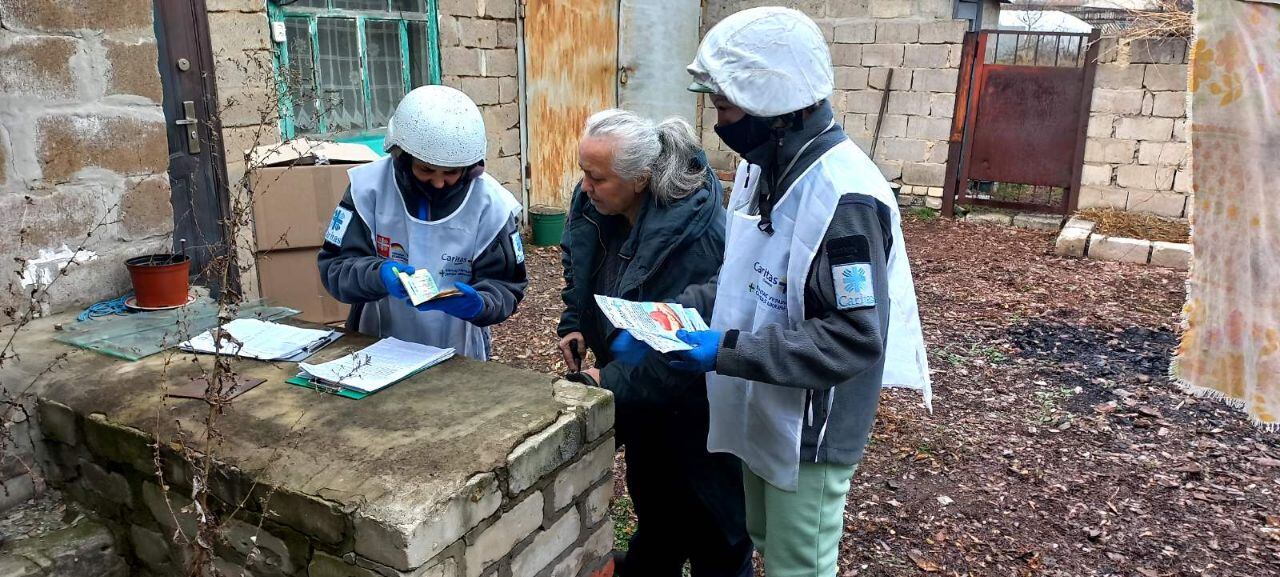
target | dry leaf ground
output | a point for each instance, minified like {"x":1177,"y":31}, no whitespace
{"x":1057,"y":446}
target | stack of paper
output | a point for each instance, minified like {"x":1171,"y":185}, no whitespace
{"x":262,"y":340}
{"x":377,"y":366}
{"x":654,"y":323}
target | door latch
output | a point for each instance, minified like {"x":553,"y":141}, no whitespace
{"x":191,"y":125}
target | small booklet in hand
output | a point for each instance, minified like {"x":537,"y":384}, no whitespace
{"x":422,"y":287}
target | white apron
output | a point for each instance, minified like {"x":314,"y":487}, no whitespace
{"x":762,"y":423}
{"x":446,"y":247}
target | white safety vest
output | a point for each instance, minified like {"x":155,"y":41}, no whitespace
{"x":446,"y":247}
{"x":759,"y":422}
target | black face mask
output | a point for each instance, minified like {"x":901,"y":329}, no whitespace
{"x":404,"y":165}
{"x":745,"y":135}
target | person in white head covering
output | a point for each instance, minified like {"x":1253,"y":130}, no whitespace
{"x":429,"y":204}
{"x":814,"y":308}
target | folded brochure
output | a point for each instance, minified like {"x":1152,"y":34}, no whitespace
{"x":654,"y":323}
{"x":422,"y":287}
{"x":375,"y":367}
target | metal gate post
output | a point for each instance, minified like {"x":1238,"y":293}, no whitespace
{"x":955,"y":142}
{"x":1071,"y":201}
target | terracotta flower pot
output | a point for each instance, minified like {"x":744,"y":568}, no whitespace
{"x":160,"y":280}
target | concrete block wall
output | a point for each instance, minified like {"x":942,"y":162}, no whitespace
{"x":542,"y":514}
{"x":83,"y":149}
{"x":921,"y":43}
{"x":478,"y":56}
{"x":1137,"y":156}
{"x":240,"y":37}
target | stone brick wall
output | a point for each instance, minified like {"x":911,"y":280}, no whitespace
{"x":83,"y":149}
{"x":1137,"y":157}
{"x":478,"y":56}
{"x":240,"y":37}
{"x":544,"y":513}
{"x":920,"y":42}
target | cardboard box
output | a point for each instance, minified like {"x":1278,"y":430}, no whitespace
{"x":292,"y":205}
{"x":291,"y":278}
{"x":295,"y":186}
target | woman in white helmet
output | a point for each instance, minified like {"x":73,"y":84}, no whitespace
{"x":429,"y":204}
{"x":814,"y":308}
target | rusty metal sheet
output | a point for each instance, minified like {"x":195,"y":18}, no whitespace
{"x":1026,"y":126}
{"x":571,"y":55}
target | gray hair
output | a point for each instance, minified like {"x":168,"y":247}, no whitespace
{"x":664,"y":152}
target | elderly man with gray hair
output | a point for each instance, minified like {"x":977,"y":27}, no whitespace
{"x":645,"y":223}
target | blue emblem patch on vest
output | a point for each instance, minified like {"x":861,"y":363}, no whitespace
{"x":518,"y":246}
{"x":337,"y":226}
{"x":854,"y":286}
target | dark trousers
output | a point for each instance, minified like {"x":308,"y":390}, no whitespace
{"x":675,"y":525}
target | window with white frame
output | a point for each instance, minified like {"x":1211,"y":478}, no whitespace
{"x":346,"y":63}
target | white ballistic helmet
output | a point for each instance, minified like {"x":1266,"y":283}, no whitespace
{"x":438,"y":125}
{"x":768,"y":61}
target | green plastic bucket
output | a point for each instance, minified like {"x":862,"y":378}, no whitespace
{"x":547,"y":223}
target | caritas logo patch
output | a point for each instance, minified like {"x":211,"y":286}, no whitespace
{"x":384,"y":246}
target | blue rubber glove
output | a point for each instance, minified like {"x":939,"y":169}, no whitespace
{"x":627,"y":349}
{"x":387,"y":272}
{"x":465,"y":306}
{"x":702,"y":357}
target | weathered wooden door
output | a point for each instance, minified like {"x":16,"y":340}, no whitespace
{"x":656,"y":41}
{"x":197,"y":166}
{"x":571,"y":63}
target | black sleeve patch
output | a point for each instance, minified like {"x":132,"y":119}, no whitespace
{"x":849,"y":249}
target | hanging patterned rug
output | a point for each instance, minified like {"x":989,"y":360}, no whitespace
{"x":1231,"y":346}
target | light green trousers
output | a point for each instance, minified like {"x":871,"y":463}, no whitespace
{"x":799,"y":533}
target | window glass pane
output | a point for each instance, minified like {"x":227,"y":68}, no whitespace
{"x":386,"y":81}
{"x":409,"y":5}
{"x":380,"y":5}
{"x":340,"y":86}
{"x":310,"y":4}
{"x":419,"y":55}
{"x":300,"y":82}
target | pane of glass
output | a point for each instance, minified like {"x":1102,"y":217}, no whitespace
{"x":409,"y":5}
{"x":379,"y":5}
{"x":386,"y":81}
{"x":340,"y":86}
{"x":310,"y":4}
{"x":300,"y":82}
{"x":419,"y":55}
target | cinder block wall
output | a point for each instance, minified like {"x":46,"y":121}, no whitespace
{"x":920,"y":42}
{"x":544,"y":513}
{"x":477,"y":55}
{"x":1137,"y":157}
{"x":83,"y":150}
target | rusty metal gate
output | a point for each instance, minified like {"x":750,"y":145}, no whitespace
{"x":1022,"y":112}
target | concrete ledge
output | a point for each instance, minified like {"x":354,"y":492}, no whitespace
{"x":990,"y":218}
{"x":1077,"y":239}
{"x":1119,"y":249}
{"x":1037,"y":221}
{"x":1172,"y":255}
{"x":465,"y":462}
